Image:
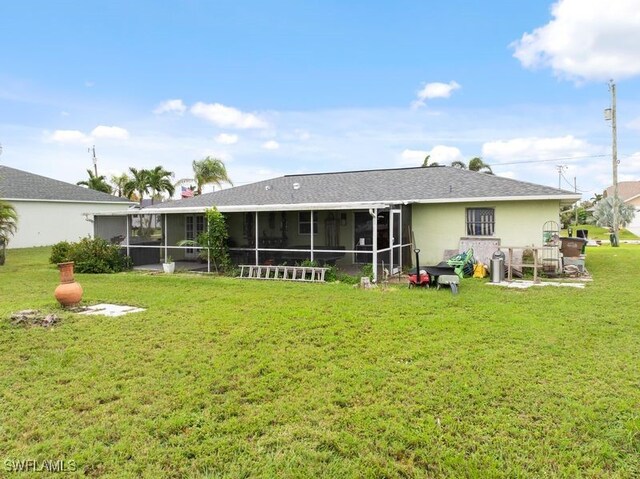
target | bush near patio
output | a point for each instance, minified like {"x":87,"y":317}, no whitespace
{"x":91,"y":255}
{"x":223,"y":377}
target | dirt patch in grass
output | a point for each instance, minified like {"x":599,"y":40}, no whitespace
{"x":34,"y":317}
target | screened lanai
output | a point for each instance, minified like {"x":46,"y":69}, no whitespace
{"x":345,"y":238}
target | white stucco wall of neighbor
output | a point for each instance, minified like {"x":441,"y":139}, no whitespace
{"x":43,"y":223}
{"x":634,"y":226}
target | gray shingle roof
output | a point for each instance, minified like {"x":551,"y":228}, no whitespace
{"x":394,"y":185}
{"x":18,"y":184}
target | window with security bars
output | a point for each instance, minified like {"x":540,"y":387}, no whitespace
{"x":480,"y":221}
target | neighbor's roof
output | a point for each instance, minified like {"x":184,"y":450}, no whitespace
{"x":393,"y":186}
{"x":626,"y":190}
{"x":22,"y":185}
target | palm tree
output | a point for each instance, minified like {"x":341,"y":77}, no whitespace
{"x":138,"y":183}
{"x":8,"y":225}
{"x":426,"y":164}
{"x":475,"y":164}
{"x":207,"y":171}
{"x":159,"y":182}
{"x":603,"y":212}
{"x":119,"y":182}
{"x":95,"y":182}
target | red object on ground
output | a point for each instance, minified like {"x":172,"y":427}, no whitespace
{"x":423,"y":281}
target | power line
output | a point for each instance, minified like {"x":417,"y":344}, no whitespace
{"x":572,"y":186}
{"x":560,"y":168}
{"x":566,"y":158}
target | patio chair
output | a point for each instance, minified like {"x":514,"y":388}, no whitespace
{"x":461,"y":261}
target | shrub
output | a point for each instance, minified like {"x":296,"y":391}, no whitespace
{"x":331,"y":274}
{"x":347,"y":278}
{"x":60,"y":252}
{"x":367,"y":270}
{"x":91,"y":256}
{"x":307,"y":263}
{"x":213,"y":241}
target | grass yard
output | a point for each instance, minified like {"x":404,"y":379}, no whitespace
{"x":599,"y":233}
{"x":234,"y":378}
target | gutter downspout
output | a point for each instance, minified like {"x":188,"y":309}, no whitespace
{"x":206,"y":218}
{"x":311,"y":235}
{"x":257,"y":238}
{"x":374,"y":214}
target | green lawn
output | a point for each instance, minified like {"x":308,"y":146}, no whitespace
{"x":598,"y":233}
{"x":233,"y":378}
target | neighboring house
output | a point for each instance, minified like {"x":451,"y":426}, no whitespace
{"x":49,"y":210}
{"x":629,"y":192}
{"x":356,"y":217}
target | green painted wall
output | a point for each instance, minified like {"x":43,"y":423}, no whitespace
{"x":438,"y":227}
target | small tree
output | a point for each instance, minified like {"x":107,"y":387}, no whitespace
{"x":209,"y":170}
{"x":119,"y":183}
{"x":159,"y":181}
{"x":603,"y":212}
{"x":213,"y":241}
{"x":8,"y":226}
{"x":475,"y":164}
{"x":427,"y":163}
{"x":138,"y":183}
{"x":96,"y":182}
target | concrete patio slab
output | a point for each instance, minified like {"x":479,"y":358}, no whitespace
{"x":111,"y":310}
{"x":529,"y":284}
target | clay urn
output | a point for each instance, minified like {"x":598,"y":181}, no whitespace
{"x":69,"y":292}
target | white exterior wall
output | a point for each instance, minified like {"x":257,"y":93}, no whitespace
{"x":43,"y":223}
{"x":634,"y":226}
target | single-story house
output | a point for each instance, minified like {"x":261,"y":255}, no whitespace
{"x":629,"y":192}
{"x":352,"y":218}
{"x":49,"y":210}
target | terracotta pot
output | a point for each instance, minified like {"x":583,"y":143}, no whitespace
{"x":68,"y":292}
{"x":66,"y":272}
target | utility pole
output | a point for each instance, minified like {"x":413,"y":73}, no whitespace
{"x":95,"y":159}
{"x":610,"y":114}
{"x":575,"y":188}
{"x":560,"y":169}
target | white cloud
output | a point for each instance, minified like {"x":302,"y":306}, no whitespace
{"x":110,"y":133}
{"x":440,"y":154}
{"x":271,"y":145}
{"x":226,"y":116}
{"x":586,"y":40}
{"x":76,"y":136}
{"x":302,"y":134}
{"x":634,"y":124}
{"x":444,"y":155}
{"x":434,"y":90}
{"x":535,"y":148}
{"x":226,"y":139}
{"x":413,"y":157}
{"x":171,"y":106}
{"x":69,"y":136}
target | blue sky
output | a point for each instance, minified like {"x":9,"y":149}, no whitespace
{"x":291,"y":86}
